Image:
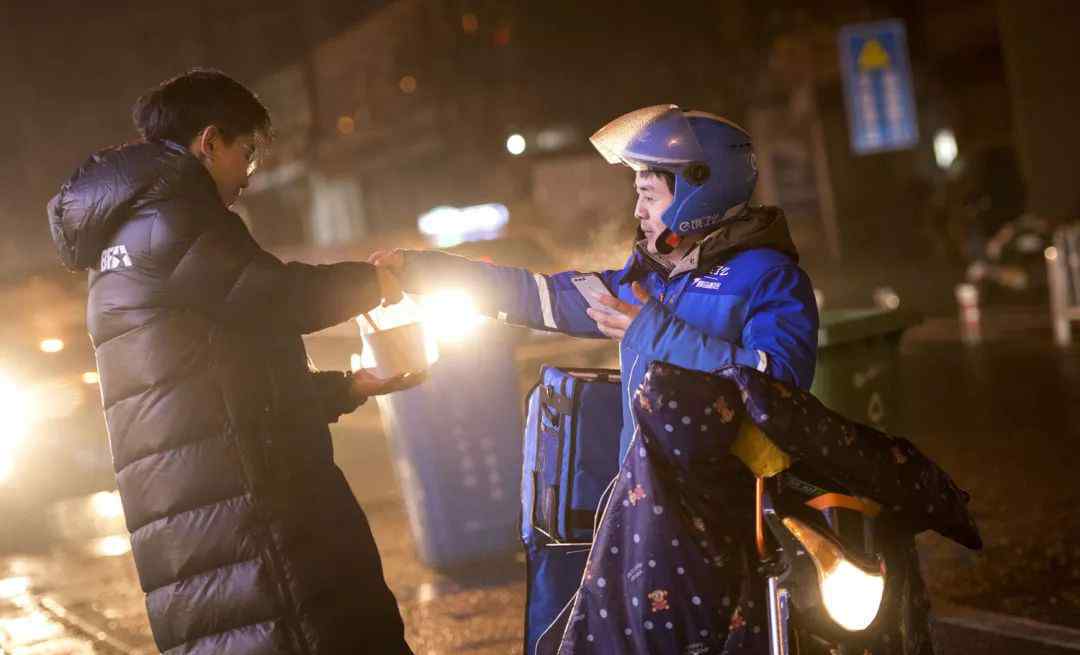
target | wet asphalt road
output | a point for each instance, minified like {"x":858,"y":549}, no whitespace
{"x":1003,"y":418}
{"x":72,"y":602}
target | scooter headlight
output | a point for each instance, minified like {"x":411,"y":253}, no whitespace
{"x":851,"y":591}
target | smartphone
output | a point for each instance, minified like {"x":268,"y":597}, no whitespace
{"x":591,"y":288}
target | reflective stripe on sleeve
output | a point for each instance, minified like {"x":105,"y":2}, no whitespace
{"x":545,"y":300}
{"x":763,"y":361}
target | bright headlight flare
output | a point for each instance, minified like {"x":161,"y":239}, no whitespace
{"x":14,"y":418}
{"x":450,"y":315}
{"x":851,"y":593}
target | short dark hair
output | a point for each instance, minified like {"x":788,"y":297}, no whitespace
{"x":669,"y":178}
{"x":181,"y":107}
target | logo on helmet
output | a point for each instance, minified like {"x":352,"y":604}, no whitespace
{"x":698,"y":224}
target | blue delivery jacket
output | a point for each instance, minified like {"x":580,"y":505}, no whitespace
{"x":739,"y":297}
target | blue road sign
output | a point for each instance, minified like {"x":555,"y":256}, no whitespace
{"x":877,"y":87}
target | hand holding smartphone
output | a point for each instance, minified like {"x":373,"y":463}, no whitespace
{"x":591,"y":288}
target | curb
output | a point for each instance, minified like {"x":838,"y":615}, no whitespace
{"x":1009,"y":626}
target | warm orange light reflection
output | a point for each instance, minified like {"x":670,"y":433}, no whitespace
{"x":346,"y":125}
{"x":111,"y":546}
{"x":470,"y":23}
{"x":106,"y":504}
{"x":13,"y":587}
{"x":30,"y":629}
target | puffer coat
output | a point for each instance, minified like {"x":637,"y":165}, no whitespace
{"x":246,"y":537}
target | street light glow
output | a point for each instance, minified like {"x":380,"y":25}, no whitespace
{"x":346,"y":125}
{"x":515,"y":145}
{"x":449,"y":226}
{"x":107,"y":505}
{"x":111,"y":546}
{"x":945,"y":148}
{"x":51,"y":345}
{"x":470,"y":23}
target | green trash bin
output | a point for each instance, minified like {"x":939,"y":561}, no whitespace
{"x":858,"y":352}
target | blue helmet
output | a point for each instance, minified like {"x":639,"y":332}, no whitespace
{"x":711,"y":158}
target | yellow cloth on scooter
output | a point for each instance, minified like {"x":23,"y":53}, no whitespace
{"x":758,"y":451}
{"x":914,"y":491}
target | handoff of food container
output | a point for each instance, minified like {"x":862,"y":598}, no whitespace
{"x":455,"y":438}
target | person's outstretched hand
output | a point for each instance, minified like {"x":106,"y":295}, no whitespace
{"x":367,"y":384}
{"x":394,"y":260}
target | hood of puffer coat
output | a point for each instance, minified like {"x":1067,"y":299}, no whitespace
{"x":110,"y":187}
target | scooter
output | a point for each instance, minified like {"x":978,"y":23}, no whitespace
{"x":825,"y":566}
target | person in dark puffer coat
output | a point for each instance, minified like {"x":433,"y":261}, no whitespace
{"x":246,"y":536}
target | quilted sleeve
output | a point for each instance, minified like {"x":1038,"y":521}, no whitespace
{"x":216,"y":267}
{"x":515,"y":295}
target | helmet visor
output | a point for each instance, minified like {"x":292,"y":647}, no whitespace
{"x":653,"y":137}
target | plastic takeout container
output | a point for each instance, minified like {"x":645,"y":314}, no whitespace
{"x":397,"y":350}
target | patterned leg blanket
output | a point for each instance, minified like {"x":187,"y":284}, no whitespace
{"x":673,"y":570}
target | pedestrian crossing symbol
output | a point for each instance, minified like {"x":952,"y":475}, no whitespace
{"x":873,"y":56}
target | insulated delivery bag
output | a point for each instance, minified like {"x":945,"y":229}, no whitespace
{"x":571,"y":454}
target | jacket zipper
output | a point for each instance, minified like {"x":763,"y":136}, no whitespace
{"x":274,"y":556}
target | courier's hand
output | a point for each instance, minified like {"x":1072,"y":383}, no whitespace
{"x":366,"y":384}
{"x":615,"y":321}
{"x":393,"y":260}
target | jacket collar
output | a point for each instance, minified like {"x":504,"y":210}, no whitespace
{"x":757,"y":227}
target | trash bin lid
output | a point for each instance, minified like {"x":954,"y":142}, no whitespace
{"x":846,"y":325}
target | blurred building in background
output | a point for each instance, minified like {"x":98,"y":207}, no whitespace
{"x":386,"y":110}
{"x":426,"y":103}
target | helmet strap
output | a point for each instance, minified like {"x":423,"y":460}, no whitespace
{"x":667,"y":241}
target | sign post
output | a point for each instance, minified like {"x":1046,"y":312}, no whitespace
{"x":877,"y":87}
